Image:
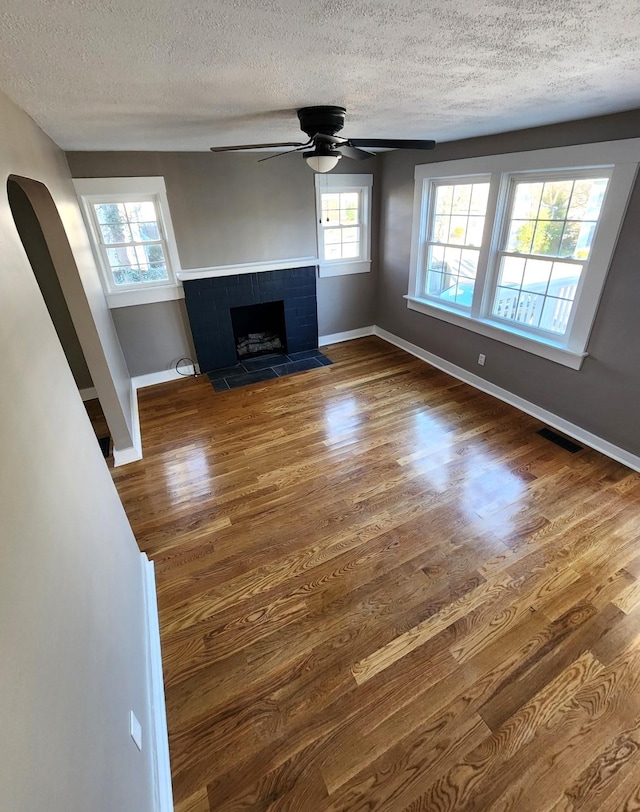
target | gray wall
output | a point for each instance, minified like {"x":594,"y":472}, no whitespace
{"x":71,"y":608}
{"x":154,"y":336}
{"x":40,"y":260}
{"x":604,"y":396}
{"x":229,"y":209}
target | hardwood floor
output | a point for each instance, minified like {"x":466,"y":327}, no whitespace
{"x":380,"y":589}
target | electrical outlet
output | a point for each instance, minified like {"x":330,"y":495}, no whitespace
{"x":481,"y":359}
{"x":135,"y":729}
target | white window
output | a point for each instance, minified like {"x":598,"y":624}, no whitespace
{"x":343,"y":212}
{"x":516,"y":247}
{"x":130,"y":228}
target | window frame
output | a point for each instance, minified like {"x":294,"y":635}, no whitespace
{"x":336,"y":184}
{"x":620,"y":157}
{"x":93,"y":191}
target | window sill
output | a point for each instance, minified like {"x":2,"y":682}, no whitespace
{"x":344,"y":268}
{"x":550,"y":351}
{"x":129,"y":298}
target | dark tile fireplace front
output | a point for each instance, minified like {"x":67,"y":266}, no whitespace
{"x":229,"y":312}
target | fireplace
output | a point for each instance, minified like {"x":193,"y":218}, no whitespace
{"x":259,"y":329}
{"x":288,"y":297}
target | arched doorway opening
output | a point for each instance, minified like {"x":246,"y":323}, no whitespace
{"x":47,"y":247}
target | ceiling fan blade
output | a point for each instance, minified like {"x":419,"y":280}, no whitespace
{"x":280,"y":154}
{"x":257,"y":146}
{"x":353,"y":152}
{"x":324,"y":138}
{"x":391,"y":143}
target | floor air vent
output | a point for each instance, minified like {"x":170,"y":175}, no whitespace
{"x":558,"y":439}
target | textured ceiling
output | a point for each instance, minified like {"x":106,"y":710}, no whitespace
{"x":189,"y":74}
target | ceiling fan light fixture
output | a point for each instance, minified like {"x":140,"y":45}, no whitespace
{"x":322,"y":159}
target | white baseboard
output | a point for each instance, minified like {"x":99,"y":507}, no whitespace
{"x":158,"y":736}
{"x":134,"y":452}
{"x":570,"y":429}
{"x":348,"y":335}
{"x":88,"y":394}
{"x":163,"y":376}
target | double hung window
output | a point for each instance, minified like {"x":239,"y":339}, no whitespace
{"x":130,"y":228}
{"x":343,"y":213}
{"x":518,"y":246}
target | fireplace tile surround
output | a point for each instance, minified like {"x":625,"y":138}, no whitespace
{"x":209,"y":302}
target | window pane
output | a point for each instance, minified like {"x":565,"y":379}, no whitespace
{"x":350,"y":250}
{"x":475,"y":230}
{"x":536,"y":275}
{"x":529,"y":308}
{"x":546,"y":239}
{"x":143,"y":232}
{"x":349,"y":208}
{"x":461,"y":198}
{"x":479,"y":198}
{"x":110,"y":213}
{"x":441,"y":228}
{"x":332,"y":236}
{"x":555,"y":315}
{"x":555,"y":200}
{"x":521,"y":236}
{"x":435,"y":283}
{"x":526,"y":200}
{"x":118,"y":232}
{"x":458,"y":230}
{"x":141,"y":212}
{"x":435,"y":260}
{"x":156,"y":261}
{"x":333,"y":251}
{"x":451,"y":274}
{"x":511,"y":272}
{"x":351,"y":234}
{"x":564,"y":280}
{"x":577,"y":239}
{"x":122,"y":256}
{"x":129,"y":275}
{"x":587,"y":198}
{"x":331,"y":217}
{"x":330,"y":201}
{"x":444,"y":198}
{"x":506,"y":303}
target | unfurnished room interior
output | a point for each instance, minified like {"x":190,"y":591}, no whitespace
{"x":320,"y":402}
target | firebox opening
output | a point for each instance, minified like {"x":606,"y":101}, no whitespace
{"x":259,"y":329}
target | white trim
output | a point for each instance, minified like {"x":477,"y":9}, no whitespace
{"x":134,"y":452}
{"x":344,"y":268}
{"x":571,"y":429}
{"x":348,"y":335}
{"x":148,"y":295}
{"x":162,"y":376}
{"x":522,"y":341}
{"x":246,"y":267}
{"x":88,"y":394}
{"x":158,"y":735}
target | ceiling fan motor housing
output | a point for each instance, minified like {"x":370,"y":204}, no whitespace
{"x":327,"y":119}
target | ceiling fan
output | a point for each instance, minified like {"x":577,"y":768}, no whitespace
{"x":325,"y":148}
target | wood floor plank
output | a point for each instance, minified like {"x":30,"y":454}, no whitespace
{"x":381,"y":589}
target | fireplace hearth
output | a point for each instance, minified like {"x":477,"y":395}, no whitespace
{"x":288,"y":309}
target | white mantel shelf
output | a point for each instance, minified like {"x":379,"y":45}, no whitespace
{"x":247,"y":267}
